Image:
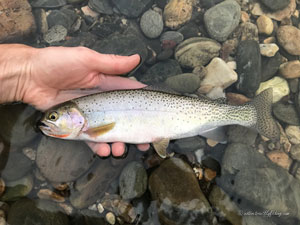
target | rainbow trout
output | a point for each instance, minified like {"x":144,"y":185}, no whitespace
{"x":147,"y":116}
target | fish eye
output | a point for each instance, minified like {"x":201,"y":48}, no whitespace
{"x":53,"y":116}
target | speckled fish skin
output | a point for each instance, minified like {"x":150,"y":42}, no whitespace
{"x":145,"y":116}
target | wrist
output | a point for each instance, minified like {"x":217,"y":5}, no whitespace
{"x":15,"y":71}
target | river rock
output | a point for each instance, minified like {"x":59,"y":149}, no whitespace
{"x":239,"y":134}
{"x":288,"y":37}
{"x":56,"y":34}
{"x":248,"y":67}
{"x":26,"y":211}
{"x":179,"y":197}
{"x":270,"y":66}
{"x":152,"y":23}
{"x":280,"y":158}
{"x":159,"y":72}
{"x":290,"y":70}
{"x":293,"y":134}
{"x":219,"y":74}
{"x":286,"y":113}
{"x":177,"y":13}
{"x":189,"y":30}
{"x":264,"y":25}
{"x":48,"y":4}
{"x":186,"y":145}
{"x":53,"y":159}
{"x":64,"y":17}
{"x":101,"y":6}
{"x":247,"y":31}
{"x":268,"y":50}
{"x":222,"y":19}
{"x":295,"y":151}
{"x":16,"y":24}
{"x":279,"y":86}
{"x":133,"y":181}
{"x":170,"y":39}
{"x":132,"y":8}
{"x":275,"y":5}
{"x":184,"y":83}
{"x":196,"y":51}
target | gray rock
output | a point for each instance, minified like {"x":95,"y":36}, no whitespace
{"x":64,"y":17}
{"x":275,"y":5}
{"x":133,"y":181}
{"x":75,"y":1}
{"x":56,"y":34}
{"x":101,"y":6}
{"x":248,"y":67}
{"x":184,"y":83}
{"x":286,"y":113}
{"x":48,"y":4}
{"x":152,"y":23}
{"x":179,"y":197}
{"x":132,"y":8}
{"x":53,"y":159}
{"x":295,"y":152}
{"x":165,"y":54}
{"x":190,"y":30}
{"x":247,"y":31}
{"x":222,"y":19}
{"x":159,"y":72}
{"x":239,"y":134}
{"x":171,"y":37}
{"x":196,"y":51}
{"x":270,"y":66}
{"x":185,"y":145}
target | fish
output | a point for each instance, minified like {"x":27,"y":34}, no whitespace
{"x":149,"y":116}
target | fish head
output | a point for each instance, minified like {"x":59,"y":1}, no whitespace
{"x":65,"y":122}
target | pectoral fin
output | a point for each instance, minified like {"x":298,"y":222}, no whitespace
{"x":97,"y":131}
{"x":161,"y":147}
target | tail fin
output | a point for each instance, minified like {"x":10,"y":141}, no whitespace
{"x":265,"y":124}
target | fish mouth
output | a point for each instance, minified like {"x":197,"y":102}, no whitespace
{"x":44,"y":127}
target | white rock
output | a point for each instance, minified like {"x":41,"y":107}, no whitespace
{"x":89,"y":12}
{"x":216,"y":93}
{"x":219,"y":74}
{"x":293,"y":134}
{"x":280,"y":87}
{"x":232,"y":65}
{"x":268,"y":50}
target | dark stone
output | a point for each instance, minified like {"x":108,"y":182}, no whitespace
{"x":103,"y":30}
{"x":48,"y":4}
{"x":161,"y":3}
{"x":248,"y":67}
{"x":275,"y":5}
{"x":165,"y":54}
{"x":239,"y":134}
{"x":132,"y":8}
{"x":185,"y":145}
{"x":53,"y":159}
{"x":209,"y":3}
{"x":270,"y":66}
{"x":190,"y":30}
{"x":101,"y":6}
{"x":152,"y":23}
{"x":170,"y":39}
{"x":159,"y":72}
{"x":184,"y":83}
{"x":286,"y":113}
{"x":85,"y":39}
{"x":64,"y":17}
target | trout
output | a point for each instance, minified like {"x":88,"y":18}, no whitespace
{"x":149,"y":116}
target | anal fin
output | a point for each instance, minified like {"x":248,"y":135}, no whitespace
{"x":161,"y":147}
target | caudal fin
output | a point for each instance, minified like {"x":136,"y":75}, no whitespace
{"x":265,"y":125}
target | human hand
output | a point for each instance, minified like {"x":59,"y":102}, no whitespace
{"x":57,"y":74}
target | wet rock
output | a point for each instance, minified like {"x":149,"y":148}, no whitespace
{"x":280,"y":158}
{"x":170,"y":39}
{"x":279,"y":86}
{"x":248,"y":67}
{"x":222,"y":19}
{"x":186,"y":145}
{"x":179,"y":198}
{"x":50,"y":195}
{"x":48,"y":4}
{"x":290,"y":70}
{"x":41,"y":20}
{"x":190,"y":30}
{"x":56,"y":34}
{"x":161,"y":71}
{"x":64,"y":17}
{"x":165,"y":54}
{"x":89,"y":13}
{"x":275,"y":5}
{"x":104,"y":30}
{"x":247,"y":31}
{"x":53,"y":159}
{"x":85,"y":39}
{"x":101,"y":6}
{"x":177,"y":13}
{"x":286,"y":113}
{"x":110,"y":218}
{"x":268,"y":50}
{"x":27,"y":211}
{"x":293,"y":134}
{"x":270,"y":66}
{"x":17,"y":124}
{"x":184,"y":83}
{"x":132,"y":8}
{"x":17,"y":166}
{"x":196,"y":51}
{"x":288,"y":37}
{"x":264,"y":25}
{"x":295,"y":152}
{"x":239,"y":134}
{"x":2,"y":188}
{"x":152,"y":23}
{"x":219,"y":74}
{"x":16,"y":24}
{"x":293,"y":84}
{"x":133,"y":181}
{"x":18,"y":189}
{"x":75,"y":1}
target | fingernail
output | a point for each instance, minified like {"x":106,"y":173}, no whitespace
{"x":124,"y":154}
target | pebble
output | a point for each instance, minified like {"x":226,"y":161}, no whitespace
{"x":48,"y":194}
{"x":101,"y":6}
{"x":280,"y":158}
{"x":48,"y":4}
{"x":279,"y":85}
{"x":293,"y":134}
{"x":183,"y":83}
{"x":165,"y":54}
{"x":152,"y":23}
{"x":219,"y":74}
{"x":290,"y":69}
{"x":293,"y":85}
{"x":170,"y":39}
{"x":268,"y":50}
{"x":64,"y":17}
{"x":69,"y":210}
{"x":248,"y":67}
{"x":177,"y":13}
{"x":288,"y":37}
{"x":239,"y":134}
{"x":295,"y":152}
{"x":196,"y":51}
{"x":265,"y":25}
{"x":244,"y":17}
{"x":271,"y":66}
{"x":100,"y":208}
{"x":190,"y":30}
{"x":55,"y":34}
{"x":30,"y":153}
{"x":286,"y":113}
{"x":133,"y":181}
{"x":132,"y":8}
{"x":247,"y":31}
{"x":87,"y":11}
{"x":2,"y":186}
{"x":275,"y":5}
{"x":229,"y":12}
{"x":110,"y":218}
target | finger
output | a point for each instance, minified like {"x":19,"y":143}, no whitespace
{"x":143,"y":147}
{"x":114,"y":64}
{"x":101,"y":149}
{"x":108,"y":83}
{"x":118,"y":149}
